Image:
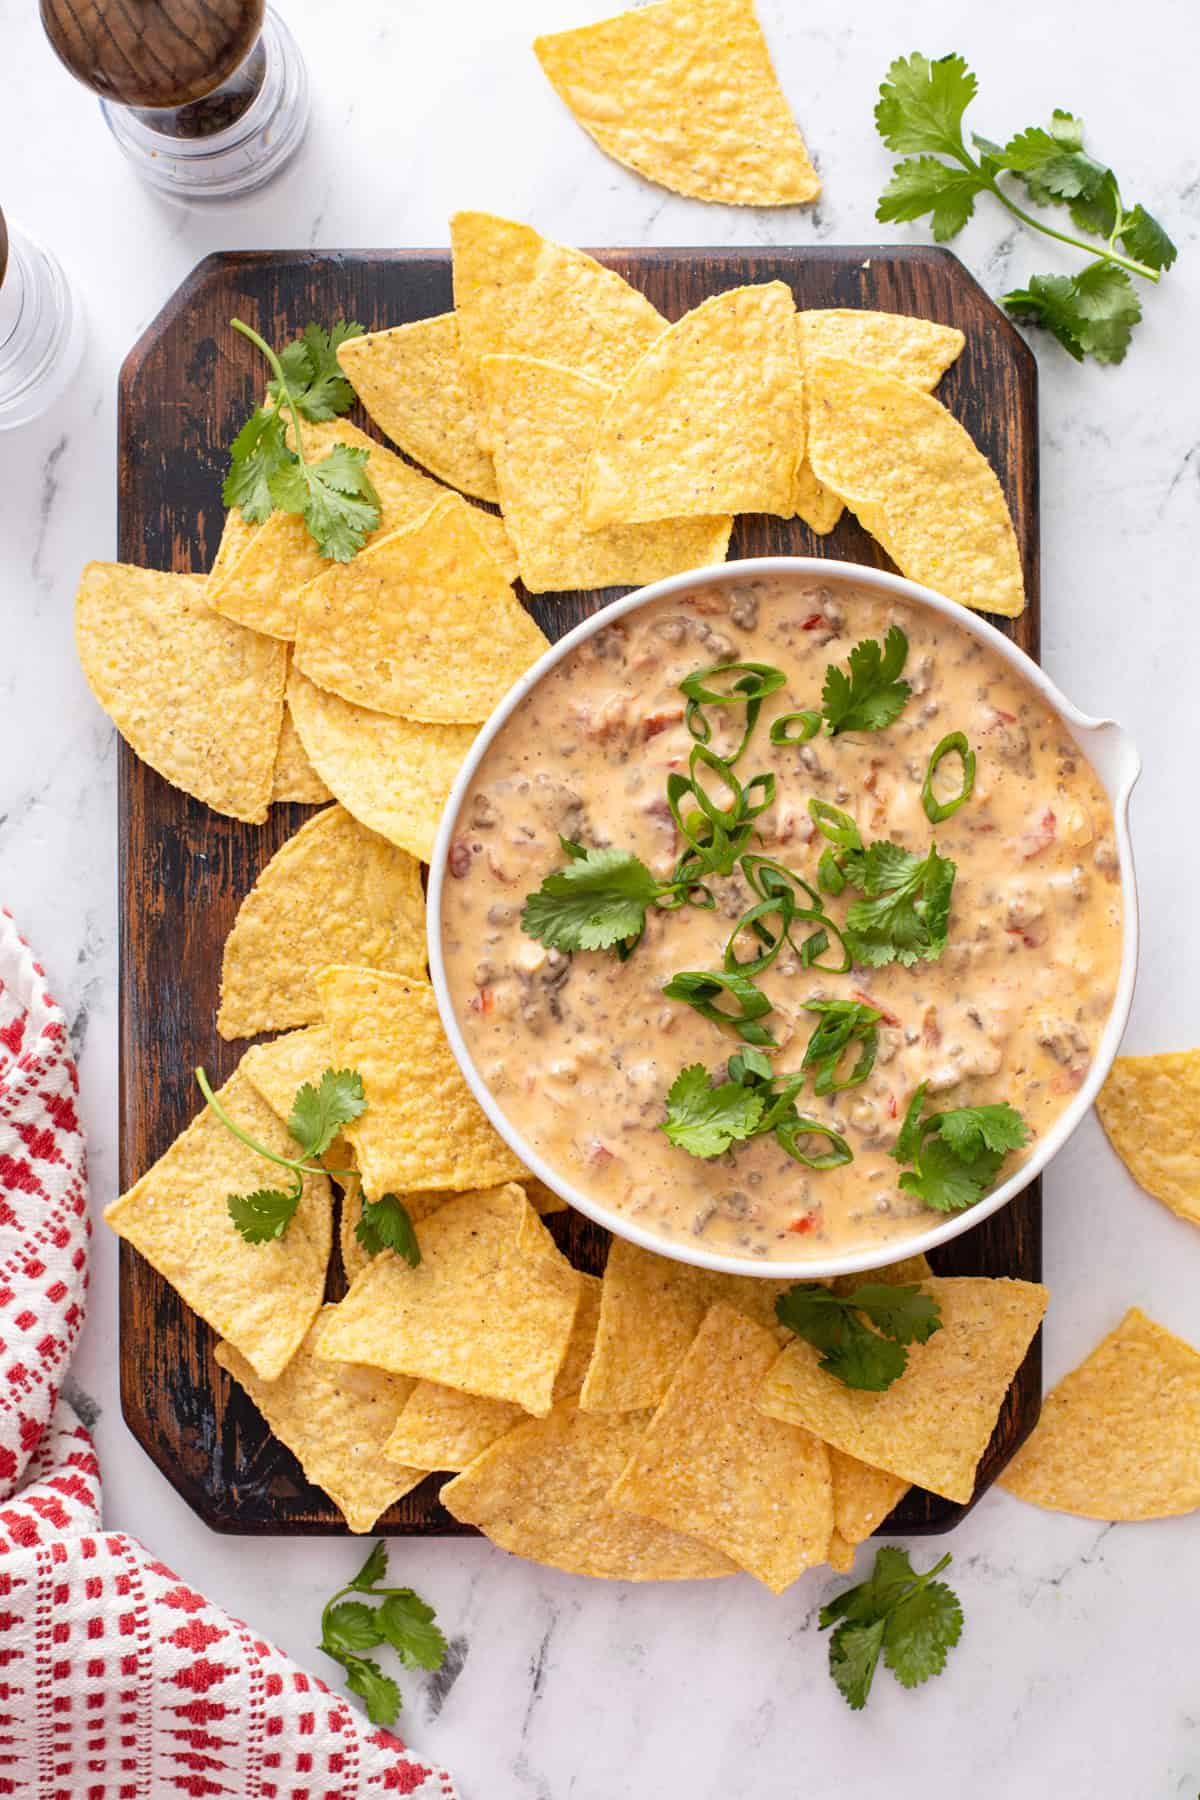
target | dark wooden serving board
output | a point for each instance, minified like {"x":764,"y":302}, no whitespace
{"x":185,"y":388}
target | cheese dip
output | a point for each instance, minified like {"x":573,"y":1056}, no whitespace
{"x":581,"y":1048}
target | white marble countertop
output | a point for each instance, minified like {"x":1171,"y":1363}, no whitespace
{"x":1076,"y":1674}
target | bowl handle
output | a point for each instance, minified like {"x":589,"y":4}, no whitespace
{"x":1114,"y":756}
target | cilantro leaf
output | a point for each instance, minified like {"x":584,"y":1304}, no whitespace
{"x":352,"y":1625}
{"x":921,"y":1632}
{"x":706,"y":1120}
{"x":853,"y":1658}
{"x":334,"y":497}
{"x":365,"y":1678}
{"x":258,"y":452}
{"x":921,"y":104}
{"x":1144,"y":238}
{"x":905,"y":914}
{"x":597,"y":901}
{"x":407,"y":1624}
{"x":318,"y":1111}
{"x":385,"y":1225}
{"x":872,"y":695}
{"x":913,"y":1620}
{"x":266,"y":1213}
{"x":922,"y":184}
{"x":312,"y":373}
{"x":373,"y":1570}
{"x":853,"y":1353}
{"x":402,"y":1619}
{"x":956,"y":1155}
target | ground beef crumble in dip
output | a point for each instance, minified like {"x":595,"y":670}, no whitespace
{"x":580,"y":1050}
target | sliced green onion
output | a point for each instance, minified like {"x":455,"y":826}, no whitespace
{"x":790,"y":1131}
{"x":769,"y":878}
{"x":766,"y":679}
{"x":808,"y":723}
{"x":780,"y":907}
{"x":953,"y":744}
{"x":829,"y":874}
{"x":818,"y":942}
{"x":702,"y":991}
{"x":834,"y":824}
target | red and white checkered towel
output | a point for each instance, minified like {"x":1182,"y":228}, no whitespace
{"x":117,"y":1681}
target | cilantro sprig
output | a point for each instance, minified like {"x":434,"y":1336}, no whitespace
{"x":349,"y":1627}
{"x":334,"y":496}
{"x":597,"y":902}
{"x":853,"y":1352}
{"x":904,"y":915}
{"x":913,"y":1621}
{"x":920,"y":109}
{"x":956,"y":1155}
{"x":706,"y":1116}
{"x":872,"y":695}
{"x":318,"y":1113}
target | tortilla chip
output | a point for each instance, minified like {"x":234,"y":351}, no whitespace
{"x":335,"y":893}
{"x":262,"y":1298}
{"x":841,"y":1554}
{"x":932,"y":1425}
{"x":418,"y":1206}
{"x":914,"y":350}
{"x":422,"y":1127}
{"x":817,"y":505}
{"x":295,"y":781}
{"x":415,"y":387}
{"x":1119,"y":1437}
{"x":863,"y":1497}
{"x":488,"y":1309}
{"x":714,"y":1467}
{"x":915,"y":480}
{"x":543,"y":1199}
{"x":394,"y":775}
{"x":422,"y":624}
{"x":541,"y":1492}
{"x":518,"y":293}
{"x":542,"y":419}
{"x":197,"y":698}
{"x":711,"y":420}
{"x":650,"y":1310}
{"x":335,"y":1419}
{"x":261,"y":589}
{"x":279,"y":1069}
{"x":236,"y":534}
{"x":685,"y":94}
{"x":1150,"y":1108}
{"x":443,"y":1428}
{"x":904,"y":1273}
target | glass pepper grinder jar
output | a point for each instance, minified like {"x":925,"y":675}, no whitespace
{"x":41,"y":328}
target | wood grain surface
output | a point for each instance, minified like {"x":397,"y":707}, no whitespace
{"x":185,"y":388}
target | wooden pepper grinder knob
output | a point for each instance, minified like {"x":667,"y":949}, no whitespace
{"x":160,"y":54}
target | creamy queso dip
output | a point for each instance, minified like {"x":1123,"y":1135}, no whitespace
{"x":581,"y":1049}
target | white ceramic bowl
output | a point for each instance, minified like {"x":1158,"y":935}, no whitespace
{"x":1103,"y":742}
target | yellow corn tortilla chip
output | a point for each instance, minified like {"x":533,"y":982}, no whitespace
{"x":915,"y":480}
{"x":261,"y":588}
{"x":841,"y":1554}
{"x":199,"y":699}
{"x":335,"y":1419}
{"x":1119,"y":1437}
{"x":542,"y":419}
{"x":489,"y":1308}
{"x":422,"y":1127}
{"x":443,"y":1428}
{"x":932,"y":1425}
{"x":542,"y":1198}
{"x":914,"y":350}
{"x":685,"y":94}
{"x":862,"y":1496}
{"x":711,"y":420}
{"x":295,"y":781}
{"x":707,"y":1467}
{"x":909,"y":1269}
{"x":650,"y":1310}
{"x":394,"y":775}
{"x":261,"y":1298}
{"x":422,"y":624}
{"x":334,"y":893}
{"x":518,"y":293}
{"x":541,"y":1492}
{"x":278,"y":1069}
{"x":418,"y":1206}
{"x":414,"y":385}
{"x":236,"y":533}
{"x":1150,"y":1108}
{"x":815,"y":504}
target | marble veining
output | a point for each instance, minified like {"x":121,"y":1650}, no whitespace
{"x":1077,"y":1672}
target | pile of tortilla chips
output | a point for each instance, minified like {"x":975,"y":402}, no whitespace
{"x":618,"y":446}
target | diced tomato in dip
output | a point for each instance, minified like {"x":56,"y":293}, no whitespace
{"x":580,"y":1049}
